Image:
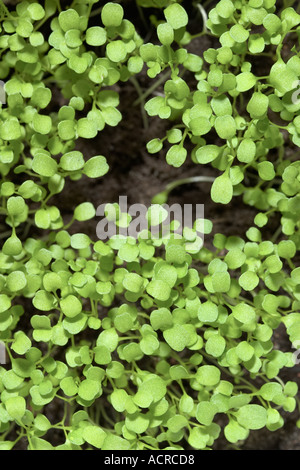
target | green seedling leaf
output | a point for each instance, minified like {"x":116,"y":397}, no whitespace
{"x":96,"y":36}
{"x":72,"y":161}
{"x":71,"y":306}
{"x":22,"y":343}
{"x":80,"y":241}
{"x":177,"y":337}
{"x":208,"y":376}
{"x":84,"y":211}
{"x":15,"y":407}
{"x":96,"y":167}
{"x":94,"y":435}
{"x":150,"y":340}
{"x":176,"y":16}
{"x":44,"y":301}
{"x":235,"y":433}
{"x":239,"y":33}
{"x":44,"y":165}
{"x":249,"y":280}
{"x":258,"y":105}
{"x":266,"y":171}
{"x":112,"y":14}
{"x":165,"y":33}
{"x":69,"y":20}
{"x":246,"y":151}
{"x":16,"y":206}
{"x":225,"y":127}
{"x":206,"y":412}
{"x":215,"y":345}
{"x":116,"y":51}
{"x":160,"y":290}
{"x":176,"y":156}
{"x":208,"y":312}
{"x":222,"y":189}
{"x":42,"y":124}
{"x":252,"y":416}
{"x":244,"y":313}
{"x":244,"y":82}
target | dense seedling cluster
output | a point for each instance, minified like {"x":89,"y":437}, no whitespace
{"x":156,"y":342}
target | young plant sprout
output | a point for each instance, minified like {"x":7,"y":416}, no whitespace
{"x":148,"y":343}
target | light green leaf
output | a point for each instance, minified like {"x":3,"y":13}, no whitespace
{"x":252,"y":416}
{"x":222,"y":189}
{"x":176,"y":16}
{"x":94,"y":435}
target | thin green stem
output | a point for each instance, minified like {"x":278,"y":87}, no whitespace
{"x":193,"y":179}
{"x":276,"y":234}
{"x":142,"y":101}
{"x":154,"y":87}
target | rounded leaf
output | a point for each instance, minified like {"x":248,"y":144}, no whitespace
{"x":177,"y":337}
{"x":116,"y":51}
{"x":85,"y":211}
{"x":225,"y":127}
{"x":16,"y":407}
{"x":176,"y":16}
{"x":96,"y":167}
{"x":44,"y":165}
{"x":252,"y":417}
{"x":239,"y":33}
{"x":208,"y":375}
{"x":112,"y":14}
{"x":71,"y":306}
{"x":94,"y":435}
{"x":222,"y":189}
{"x":72,"y":161}
{"x":96,"y":36}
